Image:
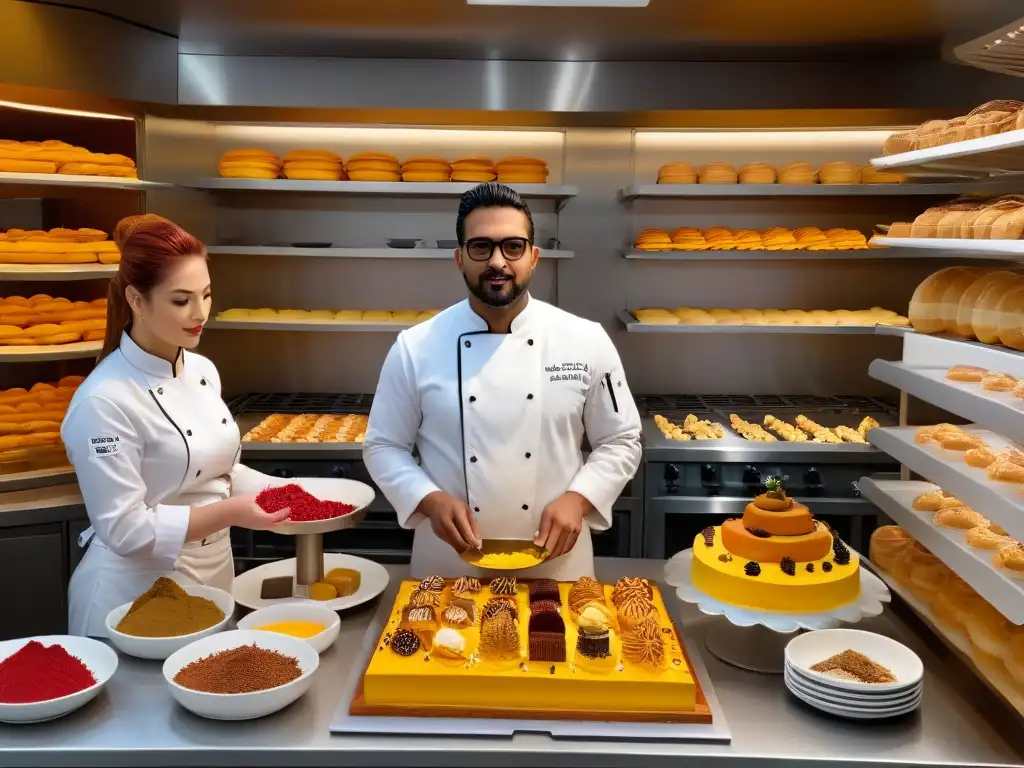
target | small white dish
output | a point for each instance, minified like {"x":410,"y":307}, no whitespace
{"x":832,"y":699}
{"x":160,"y":648}
{"x":100,"y":658}
{"x":808,"y":649}
{"x":850,"y":698}
{"x":297,"y":612}
{"x":242,"y":706}
{"x":855,"y":714}
{"x":373,"y":579}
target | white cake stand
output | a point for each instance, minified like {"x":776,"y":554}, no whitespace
{"x":755,"y":640}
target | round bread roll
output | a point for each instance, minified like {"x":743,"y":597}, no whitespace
{"x":887,"y":543}
{"x":302,"y":155}
{"x":935,"y":301}
{"x":718,"y":173}
{"x":1010,"y":318}
{"x":798,"y":173}
{"x":985,"y":319}
{"x":757,"y":173}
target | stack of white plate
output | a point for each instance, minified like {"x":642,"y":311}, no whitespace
{"x":851,"y":698}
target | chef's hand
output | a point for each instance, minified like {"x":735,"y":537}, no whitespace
{"x":451,"y":520}
{"x":561,"y":523}
{"x":236,"y":511}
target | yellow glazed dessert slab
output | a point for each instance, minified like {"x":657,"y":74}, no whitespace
{"x":429,"y":684}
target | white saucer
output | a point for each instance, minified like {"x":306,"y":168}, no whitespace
{"x":850,"y":698}
{"x":808,"y":649}
{"x":854,"y":713}
{"x":830,"y":699}
{"x":373,"y":580}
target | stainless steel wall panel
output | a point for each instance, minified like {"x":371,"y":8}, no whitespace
{"x":69,"y":49}
{"x":176,"y":150}
{"x":579,"y":86}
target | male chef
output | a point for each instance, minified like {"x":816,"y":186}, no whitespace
{"x":496,"y":393}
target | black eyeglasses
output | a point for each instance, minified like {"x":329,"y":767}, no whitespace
{"x":481,"y":248}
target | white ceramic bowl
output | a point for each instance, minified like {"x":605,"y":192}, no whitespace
{"x":808,"y":649}
{"x":242,"y":706}
{"x":162,"y":647}
{"x":100,"y":658}
{"x":298,"y":612}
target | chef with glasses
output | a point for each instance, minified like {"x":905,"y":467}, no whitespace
{"x":495,"y":394}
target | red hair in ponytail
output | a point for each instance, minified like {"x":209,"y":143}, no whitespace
{"x":149,"y":246}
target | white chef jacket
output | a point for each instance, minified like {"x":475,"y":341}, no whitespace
{"x":148,"y":445}
{"x":498,"y":420}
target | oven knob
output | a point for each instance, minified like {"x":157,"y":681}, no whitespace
{"x":708,"y":476}
{"x":671,"y":473}
{"x":812,"y":478}
{"x":338,"y":471}
{"x":751,"y":476}
{"x":855,"y":488}
{"x":282,"y":472}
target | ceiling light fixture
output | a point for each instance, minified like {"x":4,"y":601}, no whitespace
{"x":62,"y":111}
{"x":567,"y":3}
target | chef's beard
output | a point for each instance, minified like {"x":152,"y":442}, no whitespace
{"x":508,"y":295}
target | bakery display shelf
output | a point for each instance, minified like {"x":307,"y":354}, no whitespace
{"x":443,"y":254}
{"x":856,"y":255}
{"x":376,"y":188}
{"x":79,"y":350}
{"x":1003,"y":503}
{"x":320,"y":326}
{"x":896,"y":497}
{"x":633,"y":325}
{"x":996,"y":410}
{"x":36,"y":478}
{"x":57,"y":272}
{"x":987,"y":156}
{"x":82,"y":182}
{"x":996,"y":680}
{"x":670,"y":191}
{"x":946,"y":247}
{"x":925,"y":350}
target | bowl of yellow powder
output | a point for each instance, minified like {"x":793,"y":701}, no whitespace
{"x":167,"y":617}
{"x":316,"y":624}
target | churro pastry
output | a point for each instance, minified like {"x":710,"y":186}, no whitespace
{"x":749,"y":431}
{"x":785,"y":430}
{"x":821,"y":434}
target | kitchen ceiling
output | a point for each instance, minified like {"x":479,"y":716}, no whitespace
{"x":670,"y":30}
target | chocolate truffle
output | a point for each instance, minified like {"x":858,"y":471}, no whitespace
{"x":544,"y":589}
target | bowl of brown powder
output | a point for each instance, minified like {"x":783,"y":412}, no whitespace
{"x":167,"y":617}
{"x":854,"y":660}
{"x":242,"y":674}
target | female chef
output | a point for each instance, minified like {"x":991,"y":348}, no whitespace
{"x":152,"y":442}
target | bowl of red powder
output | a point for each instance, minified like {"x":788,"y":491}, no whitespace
{"x":43,"y":678}
{"x":317,"y":504}
{"x":242,"y":674}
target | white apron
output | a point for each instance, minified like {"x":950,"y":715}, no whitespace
{"x":178,"y":448}
{"x":499,"y":421}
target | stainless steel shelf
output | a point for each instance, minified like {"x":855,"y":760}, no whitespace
{"x":1000,"y":502}
{"x":986,"y":156}
{"x":79,"y":350}
{"x":304,"y":326}
{"x":375,"y":188}
{"x":633,"y":325}
{"x":57,"y":272}
{"x":264,"y":451}
{"x":442,"y":254}
{"x":929,"y":247}
{"x":999,"y":411}
{"x":671,"y":191}
{"x":82,"y":182}
{"x":895,"y":498}
{"x":860,"y":255}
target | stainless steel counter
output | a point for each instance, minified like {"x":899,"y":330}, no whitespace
{"x":135,"y":722}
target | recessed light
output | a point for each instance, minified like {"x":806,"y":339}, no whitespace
{"x":567,"y":3}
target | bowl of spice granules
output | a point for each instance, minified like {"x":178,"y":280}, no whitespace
{"x":241,"y":675}
{"x":855,"y":660}
{"x":43,"y":678}
{"x":167,"y":617}
{"x":317,"y":504}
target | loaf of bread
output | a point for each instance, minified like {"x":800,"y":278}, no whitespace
{"x":933,"y":307}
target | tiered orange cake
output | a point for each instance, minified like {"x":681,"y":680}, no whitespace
{"x":777,"y":558}
{"x":531,"y":649}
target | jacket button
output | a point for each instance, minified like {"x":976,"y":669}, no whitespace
{"x":530,"y":396}
{"x":188,"y":432}
{"x":530,"y":342}
{"x":472,"y":398}
{"x":203,"y":382}
{"x":528,"y":455}
{"x":472,"y":459}
{"x":160,"y":390}
{"x":468,"y":343}
{"x":223,"y":421}
{"x":526,"y":506}
{"x":199,"y":472}
{"x":476,"y":509}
